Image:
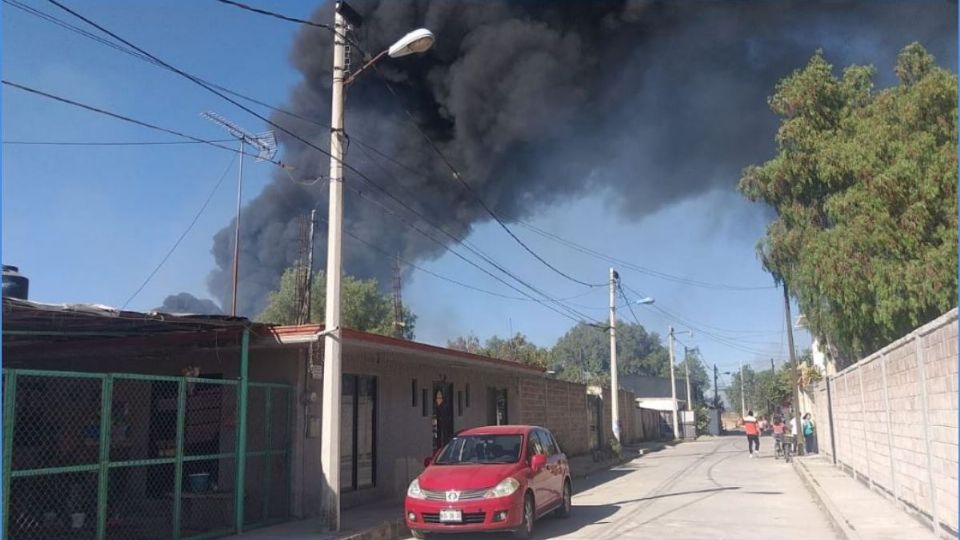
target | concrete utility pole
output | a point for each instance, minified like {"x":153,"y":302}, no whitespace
{"x":415,"y":42}
{"x":716,"y":389}
{"x":673,"y":386}
{"x":614,"y":380}
{"x":330,"y":439}
{"x":686,"y":369}
{"x":743,"y":393}
{"x":796,"y":370}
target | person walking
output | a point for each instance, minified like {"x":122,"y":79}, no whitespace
{"x":778,"y":430}
{"x":808,"y":434}
{"x":752,"y":429}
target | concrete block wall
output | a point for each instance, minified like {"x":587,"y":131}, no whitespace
{"x":894,"y":417}
{"x":559,"y":406}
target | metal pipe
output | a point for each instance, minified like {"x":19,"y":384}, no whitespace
{"x":9,"y":418}
{"x":178,"y":457}
{"x":103,"y":474}
{"x":236,"y":234}
{"x":241,"y":450}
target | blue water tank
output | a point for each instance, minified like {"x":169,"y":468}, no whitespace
{"x":15,"y":284}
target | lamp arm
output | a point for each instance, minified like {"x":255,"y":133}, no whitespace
{"x":355,"y":74}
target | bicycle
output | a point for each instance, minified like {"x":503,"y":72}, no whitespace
{"x":789,"y":447}
{"x":778,"y":447}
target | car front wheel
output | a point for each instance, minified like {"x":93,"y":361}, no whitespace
{"x":419,"y":535}
{"x":526,"y":526}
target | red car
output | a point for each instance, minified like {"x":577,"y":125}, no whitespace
{"x":496,"y":478}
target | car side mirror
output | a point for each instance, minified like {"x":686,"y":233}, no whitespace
{"x":427,"y":461}
{"x":537,"y":462}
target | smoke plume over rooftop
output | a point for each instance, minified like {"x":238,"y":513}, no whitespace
{"x":539,"y":102}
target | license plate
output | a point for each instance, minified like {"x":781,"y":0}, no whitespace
{"x":451,"y":516}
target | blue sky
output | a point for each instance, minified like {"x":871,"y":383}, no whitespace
{"x":87,"y":224}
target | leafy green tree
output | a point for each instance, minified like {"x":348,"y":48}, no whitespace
{"x":864,"y":184}
{"x":515,"y":349}
{"x":364,"y":306}
{"x":583,"y":353}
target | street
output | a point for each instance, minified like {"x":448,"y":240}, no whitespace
{"x":703,"y":489}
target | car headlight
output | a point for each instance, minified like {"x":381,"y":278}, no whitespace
{"x":414,"y":491}
{"x":503,"y":489}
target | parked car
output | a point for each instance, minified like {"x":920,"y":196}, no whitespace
{"x":494,"y":478}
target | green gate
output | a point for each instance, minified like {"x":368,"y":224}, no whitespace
{"x":120,"y":455}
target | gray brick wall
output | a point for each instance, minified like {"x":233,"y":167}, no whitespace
{"x":562,"y":408}
{"x":881,"y":406}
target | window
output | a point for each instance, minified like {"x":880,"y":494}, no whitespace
{"x":424,"y":401}
{"x":481,"y":449}
{"x":547,"y":443}
{"x":467,"y":392}
{"x":460,"y":403}
{"x":533,"y":445}
{"x":358,"y":422}
{"x":413,"y":392}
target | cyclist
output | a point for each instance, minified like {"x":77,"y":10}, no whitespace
{"x":778,"y":429}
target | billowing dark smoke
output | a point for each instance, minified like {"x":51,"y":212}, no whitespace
{"x":187,"y":303}
{"x":539,"y":102}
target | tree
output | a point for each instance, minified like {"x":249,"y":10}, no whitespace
{"x":470,"y":344}
{"x":515,"y":349}
{"x":864,"y":184}
{"x":363,"y":306}
{"x":583,"y":353}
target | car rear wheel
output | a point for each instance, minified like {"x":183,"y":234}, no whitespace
{"x":567,"y":503}
{"x":526,"y":526}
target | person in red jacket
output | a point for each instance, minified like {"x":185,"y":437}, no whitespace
{"x":752,"y":429}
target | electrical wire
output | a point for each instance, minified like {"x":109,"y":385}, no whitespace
{"x":183,"y":235}
{"x":296,"y":136}
{"x":638,"y":268}
{"x":458,"y":176}
{"x":118,"y":116}
{"x":111,"y":143}
{"x":437,"y":275}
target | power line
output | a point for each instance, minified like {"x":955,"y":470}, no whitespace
{"x":437,"y":275}
{"x":183,"y":235}
{"x":111,"y":143}
{"x":126,"y":118}
{"x":636,"y":267}
{"x":277,"y":15}
{"x":456,"y":173}
{"x":306,"y":142}
{"x":469,"y":189}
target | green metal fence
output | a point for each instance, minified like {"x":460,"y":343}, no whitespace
{"x":119,"y":455}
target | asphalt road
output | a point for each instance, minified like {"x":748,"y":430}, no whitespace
{"x":703,"y":489}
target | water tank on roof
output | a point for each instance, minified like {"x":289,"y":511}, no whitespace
{"x":15,"y":284}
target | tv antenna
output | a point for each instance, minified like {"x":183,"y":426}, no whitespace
{"x":266,"y":145}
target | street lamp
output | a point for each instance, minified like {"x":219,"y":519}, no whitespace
{"x":417,"y":41}
{"x":644,"y":301}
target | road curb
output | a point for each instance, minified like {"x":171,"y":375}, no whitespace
{"x":840,"y":524}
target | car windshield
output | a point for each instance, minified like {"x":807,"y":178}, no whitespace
{"x":472,"y":449}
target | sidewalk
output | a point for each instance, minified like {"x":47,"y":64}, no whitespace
{"x":855,"y":510}
{"x":384,"y":520}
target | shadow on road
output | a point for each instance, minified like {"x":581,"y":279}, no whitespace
{"x":679,"y":493}
{"x":551,"y":526}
